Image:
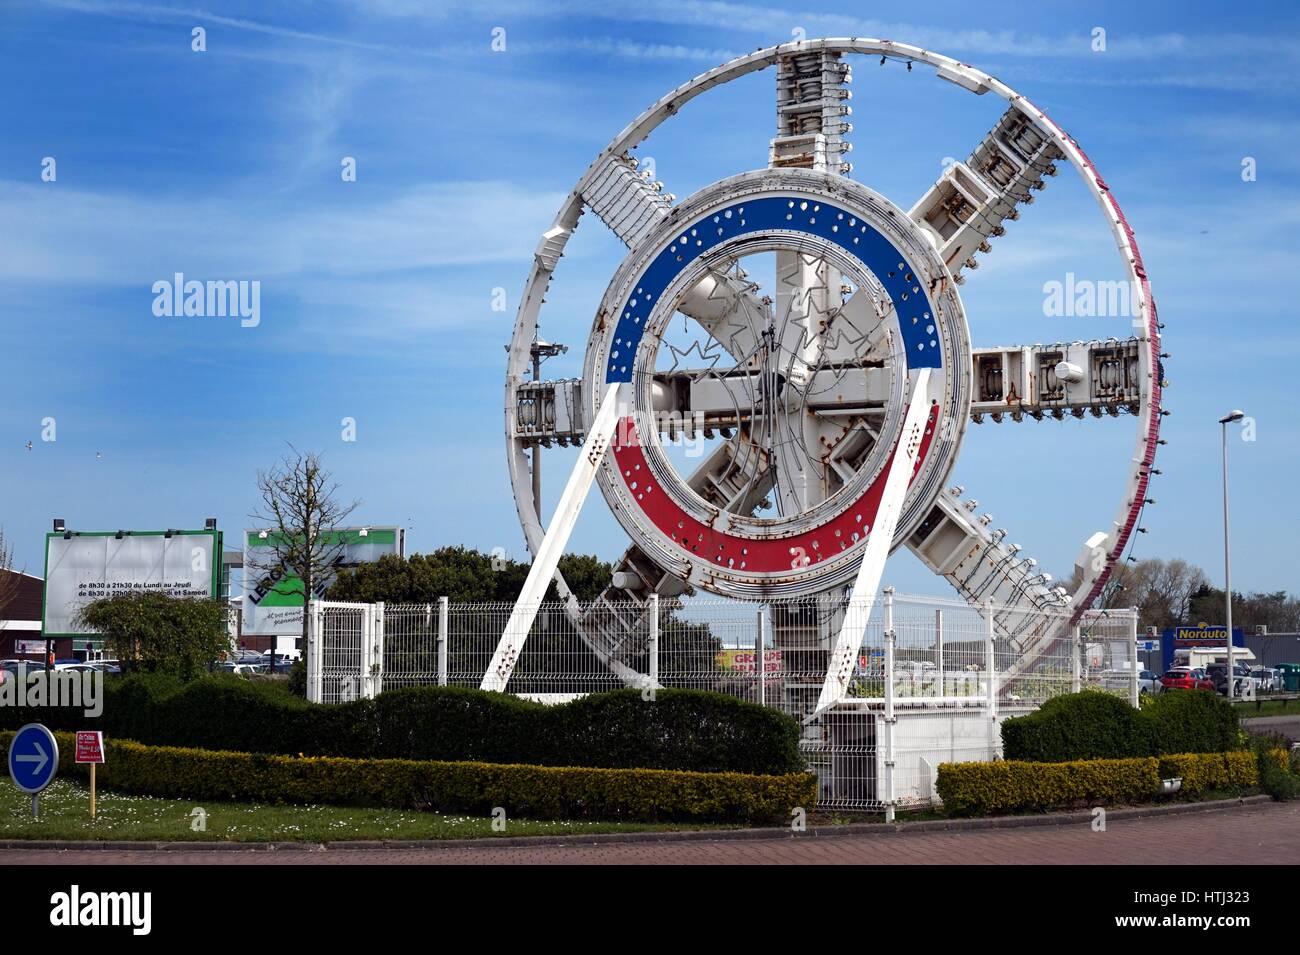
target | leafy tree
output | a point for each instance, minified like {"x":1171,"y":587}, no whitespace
{"x":1279,"y":611}
{"x":462,"y":575}
{"x":159,"y":633}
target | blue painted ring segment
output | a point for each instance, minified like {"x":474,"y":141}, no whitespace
{"x":790,"y":212}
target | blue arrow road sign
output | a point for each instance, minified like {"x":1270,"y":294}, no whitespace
{"x":33,"y":758}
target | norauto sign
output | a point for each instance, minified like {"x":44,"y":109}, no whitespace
{"x":1203,"y":636}
{"x":1189,"y":638}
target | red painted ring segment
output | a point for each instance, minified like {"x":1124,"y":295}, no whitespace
{"x":750,"y":555}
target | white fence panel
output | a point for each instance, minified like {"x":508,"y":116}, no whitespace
{"x":932,"y":683}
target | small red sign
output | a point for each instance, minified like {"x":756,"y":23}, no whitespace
{"x":90,"y":746}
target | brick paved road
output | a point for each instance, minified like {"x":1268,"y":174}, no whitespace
{"x":1263,"y":834}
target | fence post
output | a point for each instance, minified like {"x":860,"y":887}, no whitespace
{"x":367,"y":646}
{"x":990,"y":664}
{"x":1076,"y":667}
{"x":376,"y":674}
{"x":759,"y":662}
{"x":938,"y":643}
{"x":1133,"y":691}
{"x":890,"y":718}
{"x":442,"y":641}
{"x":652,"y":642}
{"x":314,"y":643}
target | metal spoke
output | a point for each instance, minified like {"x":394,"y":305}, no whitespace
{"x":1101,"y":377}
{"x":969,"y":203}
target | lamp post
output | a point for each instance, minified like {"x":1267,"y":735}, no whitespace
{"x":1235,"y":415}
{"x":540,"y":351}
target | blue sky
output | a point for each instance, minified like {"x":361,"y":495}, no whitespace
{"x":376,"y":294}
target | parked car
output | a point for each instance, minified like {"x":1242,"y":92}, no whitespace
{"x":1268,"y":678}
{"x":1242,"y":680}
{"x":239,"y":669}
{"x":284,"y":659}
{"x":1117,"y":681}
{"x":1186,"y":678}
{"x":9,"y":668}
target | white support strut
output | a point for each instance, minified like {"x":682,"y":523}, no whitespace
{"x":879,"y":544}
{"x":548,"y":555}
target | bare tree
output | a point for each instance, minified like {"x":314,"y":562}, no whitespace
{"x":300,"y":511}
{"x":8,"y":577}
{"x":1161,"y":590}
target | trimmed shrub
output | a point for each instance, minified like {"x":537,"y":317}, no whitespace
{"x":720,"y":732}
{"x":680,"y":729}
{"x":1279,"y":765}
{"x":1192,"y":721}
{"x":1094,"y":725}
{"x":1075,"y":726}
{"x":1203,"y":772}
{"x":975,"y":789}
{"x":546,"y":792}
{"x":971,"y":789}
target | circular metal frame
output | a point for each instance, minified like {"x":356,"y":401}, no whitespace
{"x":1095,"y":573}
{"x":865,"y":237}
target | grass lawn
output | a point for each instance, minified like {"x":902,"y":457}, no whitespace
{"x":65,"y":814}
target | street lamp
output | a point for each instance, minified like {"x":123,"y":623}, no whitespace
{"x":540,"y":351}
{"x":1235,"y":415}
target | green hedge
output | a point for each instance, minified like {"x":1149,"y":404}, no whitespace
{"x":976,"y":789}
{"x":680,"y":729}
{"x":473,"y":787}
{"x":1076,"y":726}
{"x":1192,"y":721}
{"x":1094,"y":725}
{"x":1202,"y":772}
{"x":973,"y":789}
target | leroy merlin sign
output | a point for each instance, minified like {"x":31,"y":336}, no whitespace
{"x":273,"y":600}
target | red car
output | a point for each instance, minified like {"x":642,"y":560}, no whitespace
{"x":1185,"y":678}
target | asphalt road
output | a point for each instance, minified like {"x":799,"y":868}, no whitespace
{"x":1288,"y":726}
{"x":1265,"y":834}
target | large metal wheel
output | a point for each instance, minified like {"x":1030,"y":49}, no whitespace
{"x":801,"y":388}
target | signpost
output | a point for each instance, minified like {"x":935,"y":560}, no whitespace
{"x":33,"y":761}
{"x":90,"y":749}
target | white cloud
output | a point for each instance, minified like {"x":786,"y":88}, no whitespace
{"x":51,"y":233}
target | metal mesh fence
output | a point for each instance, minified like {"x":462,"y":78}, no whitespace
{"x":931,"y":682}
{"x":411,"y":646}
{"x":338,"y":668}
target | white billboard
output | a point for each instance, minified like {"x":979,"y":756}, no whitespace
{"x":81,"y":567}
{"x":273,"y":600}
